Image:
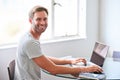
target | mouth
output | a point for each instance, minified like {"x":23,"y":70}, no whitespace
{"x":40,"y":28}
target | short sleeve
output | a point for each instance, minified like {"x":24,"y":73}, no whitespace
{"x":33,"y":49}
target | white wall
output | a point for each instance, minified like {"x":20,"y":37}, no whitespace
{"x":81,"y":48}
{"x":110,"y":23}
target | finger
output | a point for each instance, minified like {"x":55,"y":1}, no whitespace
{"x":84,"y":61}
{"x":99,"y":69}
{"x":78,"y":60}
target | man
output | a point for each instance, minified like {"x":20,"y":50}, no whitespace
{"x":30,"y":59}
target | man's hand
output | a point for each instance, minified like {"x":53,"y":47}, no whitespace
{"x":74,"y":61}
{"x":94,"y":68}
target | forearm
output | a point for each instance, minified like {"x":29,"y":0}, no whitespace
{"x":59,"y":61}
{"x":68,"y":70}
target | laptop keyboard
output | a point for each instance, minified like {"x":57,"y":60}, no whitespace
{"x":88,"y":75}
{"x":93,"y":76}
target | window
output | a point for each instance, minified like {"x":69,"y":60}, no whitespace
{"x":66,"y":18}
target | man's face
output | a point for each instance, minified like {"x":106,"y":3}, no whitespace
{"x":40,"y":21}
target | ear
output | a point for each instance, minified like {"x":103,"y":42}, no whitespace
{"x":30,"y":20}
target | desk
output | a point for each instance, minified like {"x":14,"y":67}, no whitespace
{"x":111,"y":69}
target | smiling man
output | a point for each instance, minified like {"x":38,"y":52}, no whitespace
{"x":30,"y":59}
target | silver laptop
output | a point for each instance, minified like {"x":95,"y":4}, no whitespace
{"x":99,"y":54}
{"x":98,"y":57}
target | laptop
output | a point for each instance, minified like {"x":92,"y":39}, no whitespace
{"x":98,"y":56}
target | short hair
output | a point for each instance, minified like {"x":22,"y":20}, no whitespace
{"x":37,"y":9}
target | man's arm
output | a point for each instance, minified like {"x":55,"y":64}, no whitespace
{"x":45,"y":63}
{"x":59,"y":61}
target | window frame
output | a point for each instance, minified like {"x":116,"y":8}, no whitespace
{"x":81,"y":33}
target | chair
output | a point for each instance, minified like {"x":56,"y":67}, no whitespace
{"x":11,"y":70}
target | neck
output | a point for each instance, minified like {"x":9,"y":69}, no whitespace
{"x":35,"y":34}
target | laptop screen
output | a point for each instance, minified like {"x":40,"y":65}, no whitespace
{"x":99,"y":53}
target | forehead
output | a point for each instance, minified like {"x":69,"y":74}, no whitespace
{"x":40,"y":14}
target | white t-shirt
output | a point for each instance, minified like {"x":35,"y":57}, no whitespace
{"x":25,"y":68}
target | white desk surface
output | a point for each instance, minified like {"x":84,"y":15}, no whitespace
{"x":112,"y":68}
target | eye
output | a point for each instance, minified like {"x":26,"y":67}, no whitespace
{"x":45,"y":19}
{"x":38,"y":19}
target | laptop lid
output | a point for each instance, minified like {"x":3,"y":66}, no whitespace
{"x":99,"y":53}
